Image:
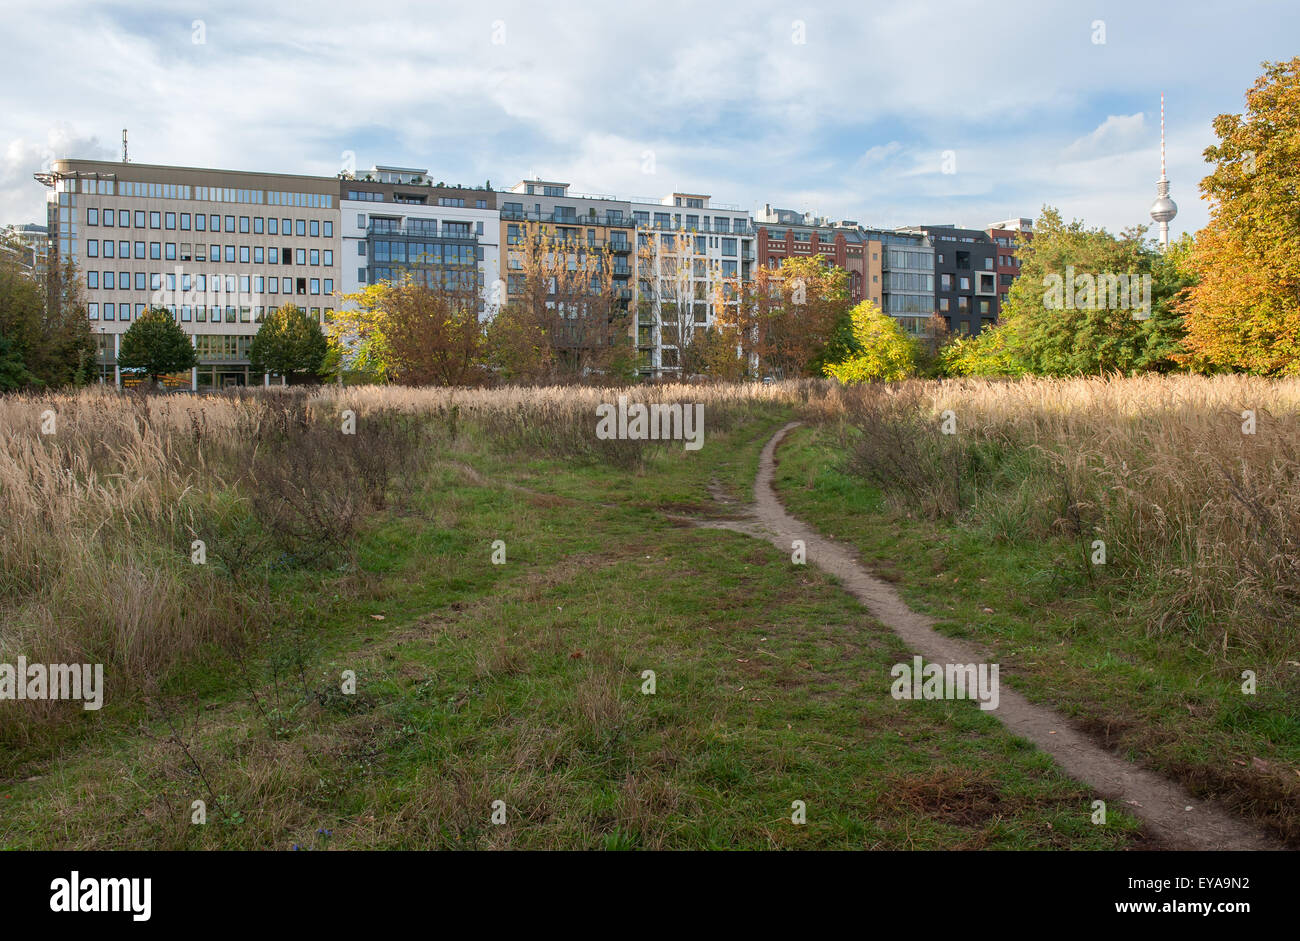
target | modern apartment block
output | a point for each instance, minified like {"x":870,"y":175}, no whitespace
{"x":973,"y":270}
{"x":395,"y":221}
{"x":965,"y":273}
{"x":691,"y":255}
{"x":908,"y":260}
{"x":1004,"y":235}
{"x":785,"y":233}
{"x":218,"y":248}
{"x":587,"y":223}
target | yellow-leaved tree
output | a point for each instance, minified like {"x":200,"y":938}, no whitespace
{"x":881,"y":350}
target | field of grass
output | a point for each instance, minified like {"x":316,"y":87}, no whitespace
{"x":476,"y":682}
{"x":992,"y":531}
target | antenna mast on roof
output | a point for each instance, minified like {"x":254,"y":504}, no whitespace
{"x":124,"y":145}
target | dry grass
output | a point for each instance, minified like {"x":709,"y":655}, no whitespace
{"x":100,"y":515}
{"x":1205,"y":516}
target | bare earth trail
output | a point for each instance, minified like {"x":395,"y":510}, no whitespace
{"x":1161,"y":803}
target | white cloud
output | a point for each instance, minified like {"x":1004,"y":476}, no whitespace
{"x":728,"y":103}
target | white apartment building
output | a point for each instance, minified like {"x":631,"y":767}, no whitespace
{"x":394,"y":220}
{"x":688,"y":249}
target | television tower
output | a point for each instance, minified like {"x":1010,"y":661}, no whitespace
{"x":1163,"y":209}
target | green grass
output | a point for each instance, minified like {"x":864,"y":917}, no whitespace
{"x":1068,"y":638}
{"x":522,"y":683}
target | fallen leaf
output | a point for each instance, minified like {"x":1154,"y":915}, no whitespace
{"x":377,"y":617}
{"x":1259,"y":763}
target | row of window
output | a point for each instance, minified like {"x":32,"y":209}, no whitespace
{"x":963,"y":305}
{"x":425,"y":253}
{"x":451,"y":228}
{"x":255,"y":225}
{"x":153,"y":281}
{"x":202,"y":313}
{"x":245,"y":254}
{"x":213,"y":194}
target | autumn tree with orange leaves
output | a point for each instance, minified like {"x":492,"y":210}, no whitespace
{"x":787,"y":316}
{"x":1244,"y":314}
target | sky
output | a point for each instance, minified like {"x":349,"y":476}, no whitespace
{"x":899,"y":113}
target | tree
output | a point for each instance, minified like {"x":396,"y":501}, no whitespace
{"x":13,"y":371}
{"x":787,"y":318}
{"x":421,"y":330}
{"x":884,"y":351}
{"x":289,"y":343}
{"x":1083,"y":304}
{"x":156,"y":345}
{"x":44,"y":322}
{"x":1164,"y":346}
{"x":1244,"y":314}
{"x":568,"y":319}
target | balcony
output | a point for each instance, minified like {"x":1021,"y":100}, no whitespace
{"x":550,"y":218}
{"x":416,"y":231}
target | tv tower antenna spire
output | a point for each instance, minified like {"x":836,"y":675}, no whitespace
{"x":1163,"y":209}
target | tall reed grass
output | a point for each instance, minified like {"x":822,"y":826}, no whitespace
{"x":1199,"y":518}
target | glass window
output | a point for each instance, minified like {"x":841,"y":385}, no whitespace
{"x":329,"y":257}
{"x":169,"y":220}
{"x":300,"y":256}
{"x":315,"y":256}
{"x":315,"y":228}
{"x":92,"y":311}
{"x":214,"y":223}
{"x":108,"y":217}
{"x":108,"y":311}
{"x":139,"y":218}
{"x":259,"y":225}
{"x":259,"y":255}
{"x":140,"y":281}
{"x":244,"y":224}
{"x":287,"y":226}
{"x":329,"y":229}
{"x":108,"y":248}
{"x":185,"y":221}
{"x":230,"y":223}
{"x":243,"y":254}
{"x":272,"y":226}
{"x":92,"y":248}
{"x":300,"y":227}
{"x":169,"y":251}
{"x":315,"y":285}
{"x":123,"y":219}
{"x":139,"y":249}
{"x":92,"y":217}
{"x":92,"y":279}
{"x":230,"y":254}
{"x":155,"y":250}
